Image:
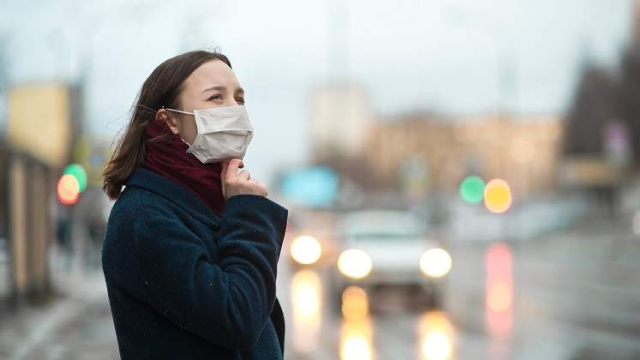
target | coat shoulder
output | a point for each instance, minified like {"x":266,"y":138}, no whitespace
{"x":133,"y":213}
{"x":136,"y":206}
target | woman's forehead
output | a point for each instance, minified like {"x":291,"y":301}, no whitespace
{"x":212,"y":74}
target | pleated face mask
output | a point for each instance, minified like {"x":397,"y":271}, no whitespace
{"x":223,"y":133}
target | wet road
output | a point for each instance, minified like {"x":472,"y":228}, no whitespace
{"x":383,"y":325}
{"x":568,"y":296}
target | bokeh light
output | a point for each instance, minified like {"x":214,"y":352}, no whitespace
{"x":355,"y":303}
{"x":306,"y":249}
{"x":306,"y":297}
{"x":77,"y":171}
{"x":356,"y":340}
{"x":499,"y":289}
{"x":435,"y":263}
{"x":472,"y":189}
{"x":497,"y":196}
{"x":436,"y":346}
{"x":436,"y":336}
{"x":68,"y":189}
{"x":499,"y":297}
{"x":355,"y":264}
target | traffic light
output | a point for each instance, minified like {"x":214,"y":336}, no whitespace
{"x":497,"y":196}
{"x":472,"y":189}
{"x":77,"y":171}
{"x":68,"y":190}
{"x":71,"y":184}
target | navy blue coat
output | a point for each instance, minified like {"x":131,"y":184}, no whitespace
{"x":184,"y":283}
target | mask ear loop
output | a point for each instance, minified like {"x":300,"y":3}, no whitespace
{"x":180,"y":111}
{"x":176,"y":110}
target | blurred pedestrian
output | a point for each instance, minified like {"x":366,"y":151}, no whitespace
{"x":192,"y":242}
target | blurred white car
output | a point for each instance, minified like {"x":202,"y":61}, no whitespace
{"x":388,"y":247}
{"x":310,"y":238}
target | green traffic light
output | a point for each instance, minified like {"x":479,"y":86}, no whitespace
{"x":77,"y":171}
{"x":472,"y":189}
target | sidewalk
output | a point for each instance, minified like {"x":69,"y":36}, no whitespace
{"x":76,"y":324}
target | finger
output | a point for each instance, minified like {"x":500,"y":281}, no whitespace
{"x":260,"y":185}
{"x":240,"y":165}
{"x":244,"y":175}
{"x":232,"y":168}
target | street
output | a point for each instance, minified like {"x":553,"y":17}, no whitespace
{"x":461,"y":179}
{"x":575,"y":296}
{"x":571,"y":295}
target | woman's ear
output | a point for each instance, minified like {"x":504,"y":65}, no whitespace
{"x":162,"y":115}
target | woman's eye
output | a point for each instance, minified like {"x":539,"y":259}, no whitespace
{"x":215,"y":97}
{"x":240,"y":100}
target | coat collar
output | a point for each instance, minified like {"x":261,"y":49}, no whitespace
{"x":184,"y":198}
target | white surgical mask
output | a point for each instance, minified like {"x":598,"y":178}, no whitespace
{"x":223,"y":133}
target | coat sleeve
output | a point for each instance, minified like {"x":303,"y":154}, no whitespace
{"x":229,"y":302}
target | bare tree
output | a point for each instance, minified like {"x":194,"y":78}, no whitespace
{"x":629,"y":99}
{"x":595,"y":103}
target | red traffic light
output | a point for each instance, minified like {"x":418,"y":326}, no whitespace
{"x":68,"y":190}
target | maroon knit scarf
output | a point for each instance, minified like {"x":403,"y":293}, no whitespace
{"x":171,"y":160}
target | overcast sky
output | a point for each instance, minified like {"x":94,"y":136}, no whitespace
{"x":446,"y":55}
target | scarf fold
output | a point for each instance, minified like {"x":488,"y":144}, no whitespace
{"x":171,"y":160}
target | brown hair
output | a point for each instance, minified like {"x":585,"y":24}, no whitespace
{"x":161,"y":88}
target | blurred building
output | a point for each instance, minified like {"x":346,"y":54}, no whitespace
{"x":42,"y":121}
{"x":421,"y":152}
{"x":342,"y":120}
{"x":523,"y":150}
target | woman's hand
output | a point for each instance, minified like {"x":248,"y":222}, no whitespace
{"x":235,"y":183}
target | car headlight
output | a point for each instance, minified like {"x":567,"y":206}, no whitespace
{"x":306,"y":249}
{"x":355,"y":263}
{"x":435,"y":263}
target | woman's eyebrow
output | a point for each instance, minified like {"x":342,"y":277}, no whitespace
{"x":216,"y":87}
{"x":220,"y":88}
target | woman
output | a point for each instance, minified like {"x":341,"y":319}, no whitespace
{"x":192,"y":242}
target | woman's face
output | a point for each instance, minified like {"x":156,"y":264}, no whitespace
{"x":211,"y":85}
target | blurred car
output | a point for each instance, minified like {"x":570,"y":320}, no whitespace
{"x":388,"y":247}
{"x":310,"y":238}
